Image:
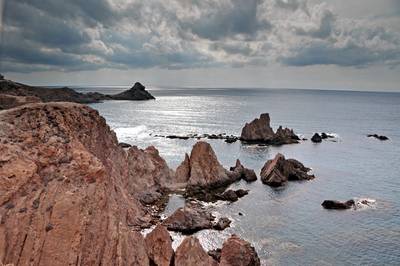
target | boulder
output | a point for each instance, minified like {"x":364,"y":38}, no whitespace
{"x":316,"y":138}
{"x":190,"y":252}
{"x":238,"y":252}
{"x":189,"y":219}
{"x":278,"y":171}
{"x":338,"y":205}
{"x":11,"y":101}
{"x":260,"y":131}
{"x":215,"y":254}
{"x":159,"y":247}
{"x":222,"y":224}
{"x":232,"y":195}
{"x":243,"y":173}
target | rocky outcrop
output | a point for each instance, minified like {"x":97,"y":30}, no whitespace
{"x":243,"y":173}
{"x":260,"y":131}
{"x":202,"y":170}
{"x":278,"y":171}
{"x":338,"y":205}
{"x":68,"y":192}
{"x":65,"y":94}
{"x":316,"y":138}
{"x":159,"y":247}
{"x":238,"y":252}
{"x":232,"y":195}
{"x":190,"y":252}
{"x":378,"y":136}
{"x":136,"y":93}
{"x":11,"y":101}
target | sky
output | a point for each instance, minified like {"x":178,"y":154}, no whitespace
{"x":313,"y":44}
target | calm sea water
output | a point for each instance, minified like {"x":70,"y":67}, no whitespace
{"x":288,"y":226}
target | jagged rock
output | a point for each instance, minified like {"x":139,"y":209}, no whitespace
{"x":222,"y":224}
{"x":137,"y":92}
{"x":278,"y":171}
{"x":159,"y":247}
{"x":232,"y":195}
{"x":243,"y":173}
{"x":231,"y":139}
{"x":202,"y":170}
{"x":190,"y":252}
{"x":338,"y":205}
{"x":316,"y":138}
{"x":238,"y":252}
{"x":378,"y":137}
{"x":11,"y":101}
{"x":65,"y":94}
{"x":326,"y":136}
{"x":260,"y":131}
{"x":61,"y":166}
{"x":189,"y":219}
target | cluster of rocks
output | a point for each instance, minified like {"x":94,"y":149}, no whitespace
{"x":279,"y":170}
{"x":380,"y":137}
{"x":317,"y":138}
{"x":221,"y":136}
{"x":234,"y":251}
{"x":260,"y":131}
{"x":65,"y":176}
{"x":65,"y":94}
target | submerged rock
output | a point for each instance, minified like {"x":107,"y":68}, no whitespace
{"x":222,"y":224}
{"x":124,"y":145}
{"x":279,"y":170}
{"x":260,"y":131}
{"x":232,"y":195}
{"x":316,"y":138}
{"x":190,"y":252}
{"x":159,"y":247}
{"x":338,"y":205}
{"x":238,"y":252}
{"x":378,"y":137}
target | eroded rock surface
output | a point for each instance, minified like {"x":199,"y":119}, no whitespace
{"x":279,"y":170}
{"x":243,"y":173}
{"x":238,"y":252}
{"x":68,"y":192}
{"x":190,"y":252}
{"x":159,"y":247}
{"x":260,"y":131}
{"x":11,"y":101}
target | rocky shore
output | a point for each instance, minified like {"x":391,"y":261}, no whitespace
{"x":65,"y":94}
{"x":70,"y":194}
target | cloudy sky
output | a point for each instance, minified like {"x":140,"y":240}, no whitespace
{"x":335,"y":44}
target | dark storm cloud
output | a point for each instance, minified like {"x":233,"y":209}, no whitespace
{"x":93,"y":34}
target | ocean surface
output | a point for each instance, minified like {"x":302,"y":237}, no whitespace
{"x":287,"y":226}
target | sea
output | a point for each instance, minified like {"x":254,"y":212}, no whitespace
{"x":286,"y":225}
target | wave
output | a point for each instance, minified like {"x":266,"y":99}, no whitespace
{"x":364,"y":203}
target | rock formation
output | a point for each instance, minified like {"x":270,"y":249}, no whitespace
{"x":238,"y":252}
{"x":11,"y":101}
{"x":260,"y":131}
{"x":159,"y":247}
{"x":378,"y":136}
{"x":243,"y":173}
{"x":68,"y":192}
{"x":278,"y":171}
{"x":338,"y":205}
{"x":190,"y":252}
{"x":202,"y":171}
{"x":316,"y":138}
{"x":65,"y":94}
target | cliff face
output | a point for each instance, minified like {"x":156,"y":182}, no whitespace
{"x":65,"y":196}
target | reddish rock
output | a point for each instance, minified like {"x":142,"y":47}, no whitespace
{"x":11,"y":101}
{"x":189,"y":219}
{"x":159,"y":247}
{"x":238,"y":252}
{"x":278,"y":171}
{"x":260,"y":131}
{"x":61,"y":166}
{"x":241,"y":172}
{"x":190,"y":252}
{"x":202,"y":169}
